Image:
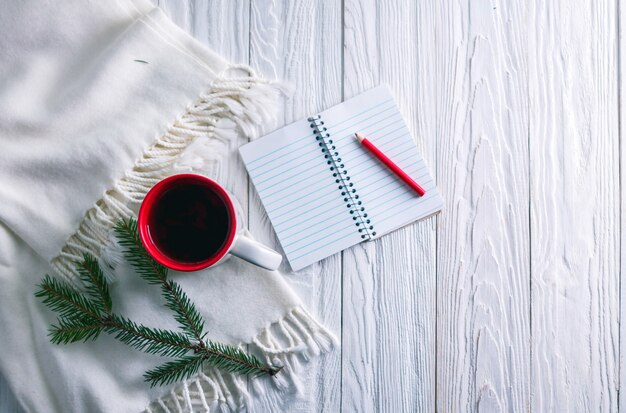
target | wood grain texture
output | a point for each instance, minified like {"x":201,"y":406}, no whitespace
{"x":300,"y":41}
{"x":483,"y":273}
{"x":389,"y":285}
{"x":511,"y":299}
{"x":574,"y":205}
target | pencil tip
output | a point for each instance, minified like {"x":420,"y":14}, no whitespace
{"x":359,"y":137}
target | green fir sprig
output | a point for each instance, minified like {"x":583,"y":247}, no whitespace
{"x":84,"y":315}
{"x":185,"y":312}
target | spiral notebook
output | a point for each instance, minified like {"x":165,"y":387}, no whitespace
{"x":324,"y":193}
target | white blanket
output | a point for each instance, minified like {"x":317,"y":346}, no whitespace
{"x":98,"y":101}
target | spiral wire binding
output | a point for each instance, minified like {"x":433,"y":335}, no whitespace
{"x":340,"y":173}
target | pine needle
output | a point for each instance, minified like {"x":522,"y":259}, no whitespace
{"x":234,"y":360}
{"x":149,"y":340}
{"x":95,"y":282}
{"x":146,"y":266}
{"x":71,"y":331}
{"x":66,"y":300}
{"x":174,"y":371}
{"x":185,"y":311}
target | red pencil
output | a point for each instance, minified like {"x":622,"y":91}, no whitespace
{"x":390,"y":164}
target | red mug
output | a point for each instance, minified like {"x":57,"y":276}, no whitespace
{"x":188,"y":222}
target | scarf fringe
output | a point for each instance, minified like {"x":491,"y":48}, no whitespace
{"x":231,"y":104}
{"x":287,"y":342}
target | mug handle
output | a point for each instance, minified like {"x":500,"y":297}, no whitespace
{"x":256,"y":253}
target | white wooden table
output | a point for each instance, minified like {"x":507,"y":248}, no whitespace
{"x":510,"y":300}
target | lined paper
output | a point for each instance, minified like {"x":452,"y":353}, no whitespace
{"x":389,"y":202}
{"x":299,"y":192}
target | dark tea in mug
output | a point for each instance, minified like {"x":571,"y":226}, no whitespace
{"x":189,"y":222}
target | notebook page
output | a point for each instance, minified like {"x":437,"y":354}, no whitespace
{"x":299,"y":194}
{"x":388,"y":202}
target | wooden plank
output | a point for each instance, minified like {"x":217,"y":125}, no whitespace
{"x":483,"y":274}
{"x":300,"y":41}
{"x":574,"y":192}
{"x":389,"y":285}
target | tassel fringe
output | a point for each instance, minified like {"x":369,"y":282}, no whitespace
{"x":231,"y":104}
{"x":287,"y":342}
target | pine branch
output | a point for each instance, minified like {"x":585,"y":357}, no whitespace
{"x":95,"y":282}
{"x":185,"y":311}
{"x":83,"y":318}
{"x":234,"y":360}
{"x":66,"y":300}
{"x":174,"y":371}
{"x":71,"y":331}
{"x":128,"y":237}
{"x":149,"y":340}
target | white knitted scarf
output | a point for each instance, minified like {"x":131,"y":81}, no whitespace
{"x":98,"y":102}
